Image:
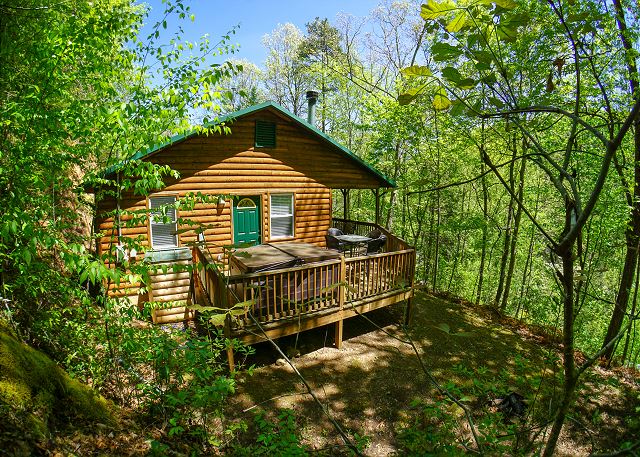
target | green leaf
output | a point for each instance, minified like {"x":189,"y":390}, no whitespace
{"x":433,"y":9}
{"x":244,"y":305}
{"x":444,"y":327}
{"x":218,"y":319}
{"x":466,"y":84}
{"x":415,"y":70}
{"x":496,"y":102}
{"x":205,"y":308}
{"x":506,"y":4}
{"x":444,"y":51}
{"x":507,"y":33}
{"x":440,"y":100}
{"x":490,"y":79}
{"x":26,"y":254}
{"x":457,"y":108}
{"x":451,"y":74}
{"x":409,"y":96}
{"x":457,"y":23}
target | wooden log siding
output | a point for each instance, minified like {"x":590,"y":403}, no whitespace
{"x":230,"y":164}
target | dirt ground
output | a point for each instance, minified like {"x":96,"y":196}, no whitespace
{"x":374,"y":387}
{"x":369,"y":386}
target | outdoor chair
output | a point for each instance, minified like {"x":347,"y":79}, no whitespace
{"x":376,"y":244}
{"x":375,"y":233}
{"x":333,"y":242}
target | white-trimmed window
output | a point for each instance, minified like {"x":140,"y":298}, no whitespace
{"x":163,"y":222}
{"x":282,"y":219}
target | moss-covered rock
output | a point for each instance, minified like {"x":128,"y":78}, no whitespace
{"x":36,"y":395}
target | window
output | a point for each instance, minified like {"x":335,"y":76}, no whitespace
{"x":281,"y":216}
{"x":265,"y":134}
{"x":246,"y":203}
{"x":163,"y":222}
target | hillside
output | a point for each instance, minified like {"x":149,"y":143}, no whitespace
{"x":376,"y":388}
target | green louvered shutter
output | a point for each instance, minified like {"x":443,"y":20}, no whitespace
{"x":265,"y":134}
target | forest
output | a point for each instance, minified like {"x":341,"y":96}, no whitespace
{"x":512,"y":130}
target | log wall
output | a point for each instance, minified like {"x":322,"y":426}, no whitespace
{"x":301,"y":164}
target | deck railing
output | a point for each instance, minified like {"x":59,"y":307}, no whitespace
{"x":271,"y":295}
{"x":280,"y":294}
{"x":377,"y":274}
{"x":287,"y":293}
{"x":364,"y":228}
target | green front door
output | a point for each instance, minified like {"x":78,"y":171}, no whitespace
{"x":246,"y":220}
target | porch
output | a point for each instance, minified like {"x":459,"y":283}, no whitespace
{"x":284,"y":301}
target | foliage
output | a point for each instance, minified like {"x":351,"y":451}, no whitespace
{"x":278,"y":437}
{"x":436,"y":426}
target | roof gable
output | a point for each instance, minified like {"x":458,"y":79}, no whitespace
{"x":279,"y":111}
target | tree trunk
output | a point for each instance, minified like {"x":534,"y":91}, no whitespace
{"x":392,"y":199}
{"x":526,"y":272}
{"x":632,"y":234}
{"x":436,"y":256}
{"x":514,"y":240}
{"x":485,"y":230}
{"x":633,"y":312}
{"x":507,"y":234}
{"x":622,"y":297}
{"x":570,"y":372}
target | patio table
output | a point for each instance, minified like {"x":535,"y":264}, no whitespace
{"x":353,"y":241}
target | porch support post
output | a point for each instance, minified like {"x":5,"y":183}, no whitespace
{"x":342,"y":298}
{"x":377,"y":194}
{"x":345,"y":203}
{"x":408,"y":314}
{"x":338,"y":338}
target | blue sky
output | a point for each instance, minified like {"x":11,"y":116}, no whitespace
{"x":257,"y":18}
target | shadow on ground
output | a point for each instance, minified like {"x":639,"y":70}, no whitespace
{"x":369,"y":386}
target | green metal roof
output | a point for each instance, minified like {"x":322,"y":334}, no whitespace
{"x":243,"y":112}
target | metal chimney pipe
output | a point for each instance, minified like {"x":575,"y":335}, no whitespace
{"x":312,"y":98}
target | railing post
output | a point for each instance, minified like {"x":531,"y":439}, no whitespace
{"x":343,"y":283}
{"x":341,"y":301}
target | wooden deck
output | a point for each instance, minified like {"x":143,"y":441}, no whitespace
{"x":282,"y":302}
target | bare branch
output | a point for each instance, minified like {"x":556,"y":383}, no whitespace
{"x":549,"y":109}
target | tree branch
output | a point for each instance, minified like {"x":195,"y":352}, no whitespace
{"x":549,"y":109}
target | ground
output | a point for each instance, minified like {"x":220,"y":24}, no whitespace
{"x":374,"y":385}
{"x":377,"y":390}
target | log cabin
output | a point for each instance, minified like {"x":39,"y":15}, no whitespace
{"x":269,"y":183}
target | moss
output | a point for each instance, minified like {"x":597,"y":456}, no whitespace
{"x":38,"y":392}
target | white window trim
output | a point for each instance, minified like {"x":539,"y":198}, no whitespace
{"x":292,"y":216}
{"x":151,"y":223}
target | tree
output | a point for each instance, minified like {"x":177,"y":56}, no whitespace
{"x":632,"y":192}
{"x":479,"y":44}
{"x":285,"y":77}
{"x":80,"y":91}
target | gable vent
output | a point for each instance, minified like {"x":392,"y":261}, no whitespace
{"x":265,"y":134}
